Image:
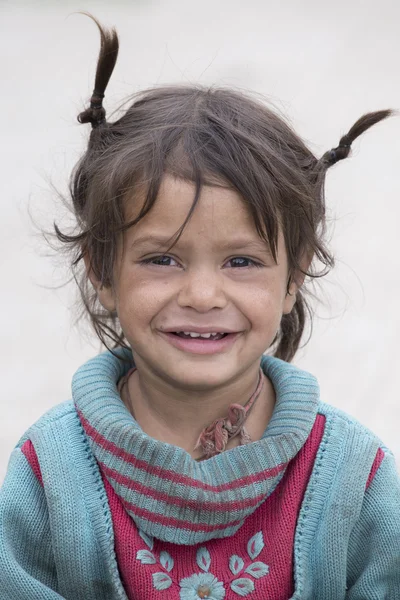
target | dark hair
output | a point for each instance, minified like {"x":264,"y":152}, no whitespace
{"x":205,"y":135}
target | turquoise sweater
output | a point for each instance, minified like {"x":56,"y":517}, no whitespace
{"x":94,"y":509}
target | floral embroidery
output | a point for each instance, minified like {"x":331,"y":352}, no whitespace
{"x":242,"y":586}
{"x":257,"y":569}
{"x":203,"y":559}
{"x":167,"y":561}
{"x":202,"y":585}
{"x":147,"y":539}
{"x":245,"y":585}
{"x":146,"y":557}
{"x":205,"y":585}
{"x":255,"y":545}
{"x":161,"y":581}
{"x":236,"y":564}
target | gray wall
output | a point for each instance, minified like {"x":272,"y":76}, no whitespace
{"x":322,"y":63}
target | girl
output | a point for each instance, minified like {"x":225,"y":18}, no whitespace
{"x":189,"y":464}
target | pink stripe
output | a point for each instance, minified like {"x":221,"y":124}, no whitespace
{"x":172,"y":475}
{"x":31,"y":456}
{"x":172,"y":522}
{"x":380,"y":455}
{"x":162,"y":497}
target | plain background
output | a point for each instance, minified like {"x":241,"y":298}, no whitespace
{"x":323,"y":64}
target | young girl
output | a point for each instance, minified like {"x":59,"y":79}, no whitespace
{"x":189,"y":464}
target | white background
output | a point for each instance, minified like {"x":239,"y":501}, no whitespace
{"x":323,"y":64}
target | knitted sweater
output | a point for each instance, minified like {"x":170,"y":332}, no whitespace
{"x":94,"y":509}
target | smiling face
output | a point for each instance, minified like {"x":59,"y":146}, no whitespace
{"x":218,"y":277}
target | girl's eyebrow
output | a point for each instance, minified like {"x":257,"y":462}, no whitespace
{"x":151,"y":239}
{"x":165,"y":242}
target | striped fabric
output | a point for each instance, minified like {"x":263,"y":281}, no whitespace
{"x":169,"y":495}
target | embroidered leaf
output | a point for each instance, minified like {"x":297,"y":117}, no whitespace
{"x":236,"y":564}
{"x":203,"y":558}
{"x":166,"y":560}
{"x":147,"y":539}
{"x":257,"y":569}
{"x":146,"y":557}
{"x":242,"y":586}
{"x":255,"y":545}
{"x":161,"y":581}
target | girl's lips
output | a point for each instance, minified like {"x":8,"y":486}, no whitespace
{"x":201,"y":345}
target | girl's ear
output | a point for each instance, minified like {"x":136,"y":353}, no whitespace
{"x":294,"y":284}
{"x":105,"y":294}
{"x":290,"y":298}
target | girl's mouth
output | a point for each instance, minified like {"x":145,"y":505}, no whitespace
{"x":205,"y":343}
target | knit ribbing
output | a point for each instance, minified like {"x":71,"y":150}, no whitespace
{"x":169,"y":495}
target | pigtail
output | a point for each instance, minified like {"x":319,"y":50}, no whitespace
{"x":109,"y":45}
{"x":343,"y":149}
{"x":291,"y":330}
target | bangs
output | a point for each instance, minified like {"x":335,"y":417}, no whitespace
{"x":207,"y":155}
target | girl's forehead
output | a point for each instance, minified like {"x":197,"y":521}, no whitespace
{"x":218,"y":207}
{"x":221,"y":219}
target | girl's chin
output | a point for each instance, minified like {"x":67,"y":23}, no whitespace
{"x":205,"y":382}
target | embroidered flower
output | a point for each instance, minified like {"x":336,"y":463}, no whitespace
{"x":201,"y":586}
{"x":205,"y":586}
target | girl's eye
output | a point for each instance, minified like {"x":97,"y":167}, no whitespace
{"x":162,"y":261}
{"x":167,"y":261}
{"x":242,"y":261}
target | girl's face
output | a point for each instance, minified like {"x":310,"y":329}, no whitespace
{"x":219,"y":277}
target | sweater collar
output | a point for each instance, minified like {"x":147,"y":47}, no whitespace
{"x":169,"y":495}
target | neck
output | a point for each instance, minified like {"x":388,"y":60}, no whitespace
{"x":178,"y":415}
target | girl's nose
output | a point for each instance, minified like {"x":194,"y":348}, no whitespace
{"x":202,"y":290}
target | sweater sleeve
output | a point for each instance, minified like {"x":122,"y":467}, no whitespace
{"x":374,"y":545}
{"x":27,"y":569}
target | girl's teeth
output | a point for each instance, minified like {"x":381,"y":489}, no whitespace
{"x":196,"y":335}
